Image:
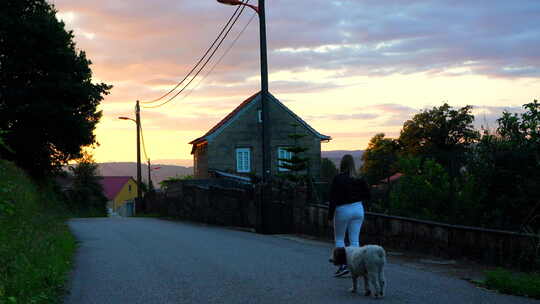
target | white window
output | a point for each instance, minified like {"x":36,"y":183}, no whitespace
{"x":243,"y":160}
{"x":259,"y":115}
{"x":282,"y":155}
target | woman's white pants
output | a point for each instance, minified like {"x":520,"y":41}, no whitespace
{"x":348,"y":217}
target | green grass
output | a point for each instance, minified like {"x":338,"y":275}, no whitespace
{"x":36,"y":246}
{"x":523,"y":284}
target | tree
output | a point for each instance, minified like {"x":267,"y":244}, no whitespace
{"x":441,"y":133}
{"x":48,"y":103}
{"x":423,"y":190}
{"x":87,"y":197}
{"x":297,"y":163}
{"x":508,"y":164}
{"x":328,"y":170}
{"x":379,"y":159}
{"x":3,"y":145}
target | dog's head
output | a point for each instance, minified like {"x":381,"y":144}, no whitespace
{"x":338,"y":257}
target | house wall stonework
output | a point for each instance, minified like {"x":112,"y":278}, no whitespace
{"x":200,"y":161}
{"x":244,"y":132}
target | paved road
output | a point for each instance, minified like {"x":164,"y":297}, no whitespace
{"x":145,"y":260}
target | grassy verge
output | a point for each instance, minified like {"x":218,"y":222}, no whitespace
{"x":36,"y":246}
{"x":524,"y":284}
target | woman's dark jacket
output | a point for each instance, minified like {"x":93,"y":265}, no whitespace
{"x":346,"y":190}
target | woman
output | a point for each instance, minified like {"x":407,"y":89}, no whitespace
{"x":346,"y":208}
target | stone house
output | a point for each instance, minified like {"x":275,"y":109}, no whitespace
{"x":233,"y":146}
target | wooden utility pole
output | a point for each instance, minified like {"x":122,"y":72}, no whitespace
{"x":266,"y":150}
{"x":149,"y":177}
{"x":138,"y":122}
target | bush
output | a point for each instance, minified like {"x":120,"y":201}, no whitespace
{"x":423,"y":191}
{"x":36,"y":246}
{"x":516,"y":284}
{"x":87,"y":198}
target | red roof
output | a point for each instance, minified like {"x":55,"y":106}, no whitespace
{"x":224,"y":120}
{"x":113,"y":184}
{"x":392,"y":178}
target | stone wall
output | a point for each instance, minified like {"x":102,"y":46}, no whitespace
{"x":493,"y":247}
{"x":208,"y":201}
{"x":216,"y":202}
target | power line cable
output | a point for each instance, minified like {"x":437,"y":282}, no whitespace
{"x":222,"y":56}
{"x":142,"y":139}
{"x":200,"y":60}
{"x":204,"y":65}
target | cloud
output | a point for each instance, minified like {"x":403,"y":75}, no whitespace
{"x":485,"y":117}
{"x":316,"y":47}
{"x":163,"y":39}
{"x":357,"y":116}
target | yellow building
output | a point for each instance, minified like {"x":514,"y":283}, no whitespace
{"x":119,"y":190}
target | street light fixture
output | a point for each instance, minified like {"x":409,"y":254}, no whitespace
{"x":127,"y":118}
{"x":237,"y":2}
{"x":137,"y":121}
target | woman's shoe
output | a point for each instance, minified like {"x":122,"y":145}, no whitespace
{"x":342,"y":270}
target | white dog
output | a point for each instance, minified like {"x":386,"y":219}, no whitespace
{"x":366,"y":261}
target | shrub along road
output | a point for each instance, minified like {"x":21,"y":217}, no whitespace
{"x":146,"y":260}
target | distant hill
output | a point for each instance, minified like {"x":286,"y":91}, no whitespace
{"x":130,"y":169}
{"x":166,"y":171}
{"x":336,"y":155}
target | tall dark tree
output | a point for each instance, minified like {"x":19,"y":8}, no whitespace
{"x":379,"y":161}
{"x":508,"y":164}
{"x":328,"y":170}
{"x":87,"y":197}
{"x":442,"y":133}
{"x":47,"y":99}
{"x":298,"y":164}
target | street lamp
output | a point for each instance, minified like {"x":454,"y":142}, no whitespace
{"x":137,"y":121}
{"x":266,"y":174}
{"x":237,"y":2}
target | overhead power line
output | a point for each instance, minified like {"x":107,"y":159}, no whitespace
{"x":206,"y":53}
{"x":222,"y":56}
{"x":204,"y":64}
{"x":144,"y":146}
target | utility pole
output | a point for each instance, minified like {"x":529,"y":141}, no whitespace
{"x":266,"y":150}
{"x":265,"y":109}
{"x":138,"y":122}
{"x":149,"y":177}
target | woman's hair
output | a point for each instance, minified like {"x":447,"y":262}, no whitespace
{"x":347,"y":165}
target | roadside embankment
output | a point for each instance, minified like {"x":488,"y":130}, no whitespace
{"x":36,"y":246}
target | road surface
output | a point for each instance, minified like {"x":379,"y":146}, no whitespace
{"x":147,"y":260}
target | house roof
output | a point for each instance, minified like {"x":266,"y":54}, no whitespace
{"x":242,"y":179}
{"x":113,"y":184}
{"x":391,"y":178}
{"x":253,"y":99}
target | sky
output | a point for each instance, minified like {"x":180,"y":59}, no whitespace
{"x":349,"y":68}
